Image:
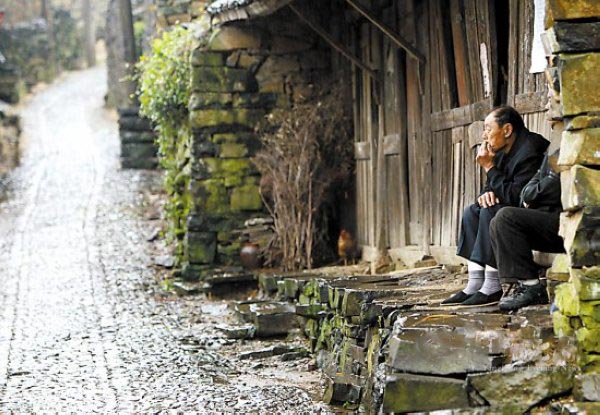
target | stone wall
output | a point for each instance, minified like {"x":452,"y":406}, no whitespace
{"x":239,"y":74}
{"x":138,"y":147}
{"x":573,"y":30}
{"x":29,"y":58}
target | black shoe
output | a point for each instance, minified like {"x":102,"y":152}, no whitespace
{"x":523,"y":296}
{"x":456,"y":298}
{"x":481,"y":299}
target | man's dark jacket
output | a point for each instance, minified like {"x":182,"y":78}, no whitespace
{"x":512,"y":171}
{"x":543,"y":190}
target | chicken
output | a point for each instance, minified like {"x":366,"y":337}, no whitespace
{"x":346,"y":246}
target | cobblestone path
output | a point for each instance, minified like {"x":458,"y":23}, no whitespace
{"x":83,"y":325}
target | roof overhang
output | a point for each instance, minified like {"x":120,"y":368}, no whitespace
{"x":222,"y":11}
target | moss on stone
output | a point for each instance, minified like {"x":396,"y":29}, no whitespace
{"x":219,"y":79}
{"x":233,"y":150}
{"x":588,"y":339}
{"x":588,"y":289}
{"x":201,"y":57}
{"x":580,"y":147}
{"x":219,"y":117}
{"x":570,"y":9}
{"x":566,"y":299}
{"x":579,"y":81}
{"x":201,"y":247}
{"x":201,"y":100}
{"x":562,"y":325}
{"x":210,"y":196}
{"x":226,"y":168}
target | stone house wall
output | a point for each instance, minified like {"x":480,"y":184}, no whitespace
{"x":243,"y":71}
{"x":573,"y":30}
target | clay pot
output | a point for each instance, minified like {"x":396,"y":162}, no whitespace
{"x":250,"y":255}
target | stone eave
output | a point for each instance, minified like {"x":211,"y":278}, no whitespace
{"x":222,"y":11}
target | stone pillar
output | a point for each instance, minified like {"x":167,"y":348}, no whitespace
{"x":572,"y":29}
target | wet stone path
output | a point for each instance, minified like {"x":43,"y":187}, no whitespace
{"x":84,"y":323}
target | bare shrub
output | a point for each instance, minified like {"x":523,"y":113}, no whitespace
{"x":306,"y":149}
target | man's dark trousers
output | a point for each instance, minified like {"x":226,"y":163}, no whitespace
{"x":515,"y":233}
{"x":474,"y":241}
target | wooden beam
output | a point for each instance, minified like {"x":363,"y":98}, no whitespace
{"x":335,"y":45}
{"x":395,"y":37}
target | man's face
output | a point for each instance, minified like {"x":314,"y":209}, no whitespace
{"x":495,"y":135}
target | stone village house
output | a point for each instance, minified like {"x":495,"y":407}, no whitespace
{"x":423,"y":75}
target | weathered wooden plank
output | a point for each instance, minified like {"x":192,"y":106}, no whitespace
{"x":362,"y":150}
{"x":392,"y":144}
{"x":580,"y":147}
{"x":406,"y":14}
{"x":513,"y":47}
{"x":527,"y":30}
{"x":458,"y":135}
{"x":475,"y":132}
{"x":425,"y":144}
{"x":473,"y":44}
{"x":461,"y":63}
{"x":580,"y":187}
{"x":531,"y":102}
{"x":434,"y":58}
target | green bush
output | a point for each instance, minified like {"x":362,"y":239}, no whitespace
{"x":164,"y":92}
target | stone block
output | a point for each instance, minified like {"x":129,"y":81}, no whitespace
{"x":277,"y":66}
{"x":134,"y":123}
{"x":562,"y":325}
{"x":588,"y":339}
{"x":521,"y":389}
{"x":229,"y":38}
{"x":210,"y":196}
{"x":587,"y":387}
{"x":583,"y":121}
{"x":580,"y":147}
{"x":566,"y":299}
{"x":201,"y":57}
{"x":246,"y":197}
{"x":233,"y":150}
{"x":201,"y":100}
{"x":578,"y":80}
{"x":201,"y":247}
{"x":426,"y":351}
{"x":342,"y":389}
{"x":255,"y":100}
{"x":139,"y":163}
{"x":137,"y":137}
{"x":138,"y":150}
{"x":588,"y":289}
{"x":220,"y":79}
{"x":570,"y":9}
{"x":248,"y":118}
{"x":559,"y":271}
{"x":581,"y":235}
{"x":222,"y":168}
{"x":574,"y":37}
{"x":416,"y":393}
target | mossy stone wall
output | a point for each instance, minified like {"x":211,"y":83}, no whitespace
{"x":574,"y":61}
{"x":240,"y":73}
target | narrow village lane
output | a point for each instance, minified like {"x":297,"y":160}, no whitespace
{"x":84,"y":327}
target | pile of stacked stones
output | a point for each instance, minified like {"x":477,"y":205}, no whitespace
{"x":574,"y":48}
{"x":383,"y":345}
{"x":240,"y":73}
{"x":138,"y":145}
